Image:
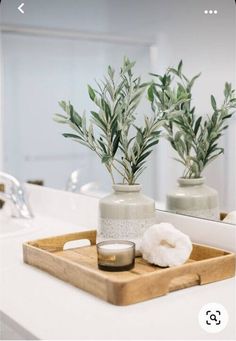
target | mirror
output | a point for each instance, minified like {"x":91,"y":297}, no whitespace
{"x":52,"y":51}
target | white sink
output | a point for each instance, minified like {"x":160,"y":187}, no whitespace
{"x":14,"y":226}
{"x":53,"y":210}
{"x":55,"y":213}
{"x":14,"y":232}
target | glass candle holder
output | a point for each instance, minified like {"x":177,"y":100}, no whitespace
{"x":116,"y":255}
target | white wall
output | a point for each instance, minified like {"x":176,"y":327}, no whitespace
{"x":40,"y":72}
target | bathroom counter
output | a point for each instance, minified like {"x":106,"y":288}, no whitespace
{"x":35,"y":304}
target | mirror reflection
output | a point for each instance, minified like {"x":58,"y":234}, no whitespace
{"x":186,"y":90}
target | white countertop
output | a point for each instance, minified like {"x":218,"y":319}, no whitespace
{"x":49,"y":308}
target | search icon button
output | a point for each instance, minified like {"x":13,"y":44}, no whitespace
{"x":213,"y":317}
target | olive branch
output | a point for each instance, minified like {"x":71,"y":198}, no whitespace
{"x":195,"y":138}
{"x":107,"y":131}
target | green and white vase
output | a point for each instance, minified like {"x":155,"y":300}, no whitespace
{"x":193,"y":197}
{"x":125,"y":214}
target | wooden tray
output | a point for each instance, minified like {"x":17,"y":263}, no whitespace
{"x":78,"y":266}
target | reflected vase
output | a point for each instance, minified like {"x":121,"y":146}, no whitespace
{"x":125,"y":214}
{"x":193,"y":197}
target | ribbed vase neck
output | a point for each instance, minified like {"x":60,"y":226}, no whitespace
{"x":126,"y":188}
{"x":184,"y":182}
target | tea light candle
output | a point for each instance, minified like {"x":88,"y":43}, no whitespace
{"x":116,"y":255}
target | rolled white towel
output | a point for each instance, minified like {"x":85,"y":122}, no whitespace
{"x":230,"y":218}
{"x":164,"y":245}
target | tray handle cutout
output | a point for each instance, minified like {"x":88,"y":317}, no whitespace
{"x":76,"y":244}
{"x":56,"y":244}
{"x":184,"y":281}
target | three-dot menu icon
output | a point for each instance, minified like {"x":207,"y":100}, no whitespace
{"x":210,"y":11}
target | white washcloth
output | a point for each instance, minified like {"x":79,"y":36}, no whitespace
{"x":230,"y":218}
{"x":164,"y":245}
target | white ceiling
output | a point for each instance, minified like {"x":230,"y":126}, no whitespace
{"x":131,"y":17}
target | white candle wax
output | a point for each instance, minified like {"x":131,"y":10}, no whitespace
{"x":115,"y":247}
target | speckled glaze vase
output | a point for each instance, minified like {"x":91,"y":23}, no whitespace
{"x":125,"y":214}
{"x":193,"y":197}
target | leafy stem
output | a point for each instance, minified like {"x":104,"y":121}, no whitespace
{"x":107,"y":131}
{"x":195,"y":138}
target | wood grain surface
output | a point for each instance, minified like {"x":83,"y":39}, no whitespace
{"x":78,"y":266}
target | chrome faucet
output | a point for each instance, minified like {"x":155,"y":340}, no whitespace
{"x":16,"y":195}
{"x":72,"y":184}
